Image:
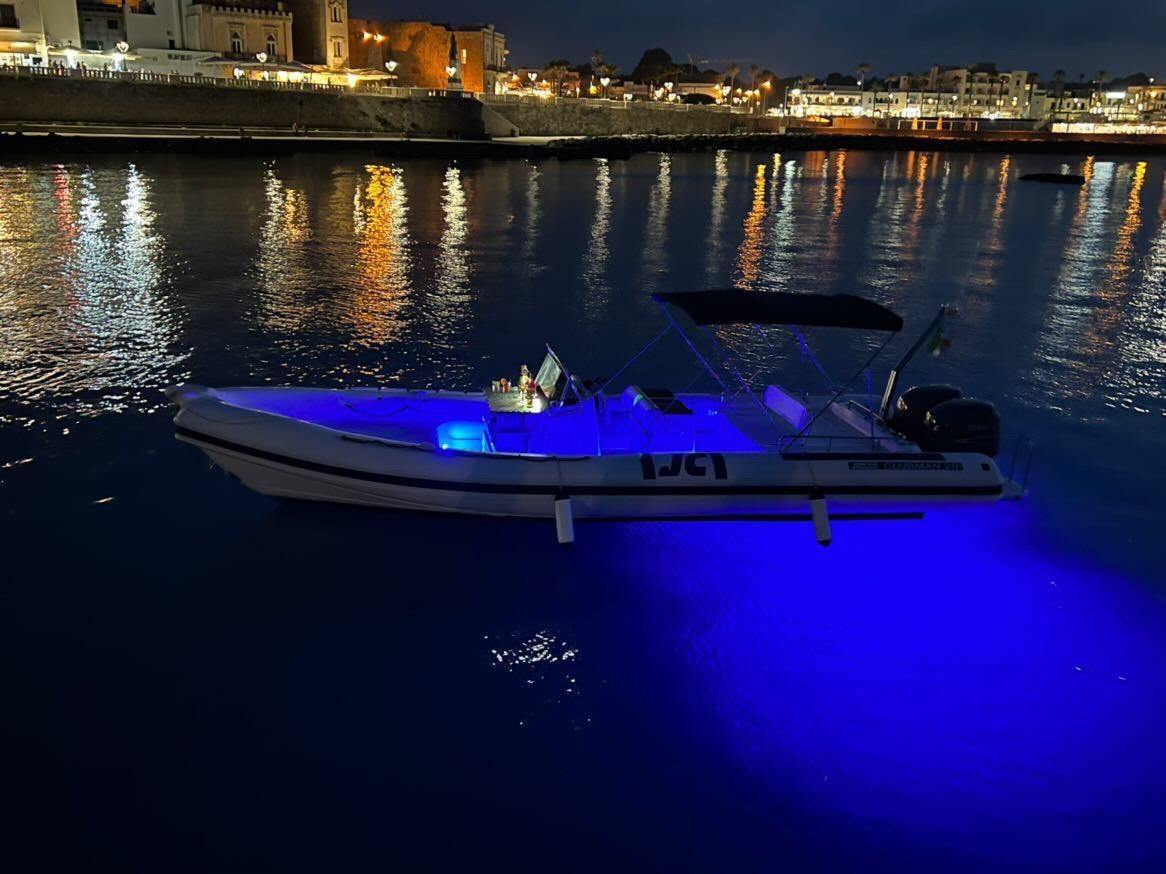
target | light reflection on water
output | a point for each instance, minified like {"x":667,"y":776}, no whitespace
{"x":380,"y":213}
{"x":598,"y":250}
{"x":95,"y":330}
{"x":655,"y":257}
{"x":898,"y":664}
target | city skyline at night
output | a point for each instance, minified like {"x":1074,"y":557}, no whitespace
{"x":819,"y":39}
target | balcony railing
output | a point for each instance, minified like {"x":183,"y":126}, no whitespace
{"x":614,"y":102}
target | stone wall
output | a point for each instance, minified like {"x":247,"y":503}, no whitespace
{"x":607,"y":118}
{"x":44,"y":99}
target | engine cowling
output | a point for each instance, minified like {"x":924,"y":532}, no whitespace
{"x":961,"y":425}
{"x":914,"y":404}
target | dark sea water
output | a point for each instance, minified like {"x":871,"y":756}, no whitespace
{"x":199,"y":678}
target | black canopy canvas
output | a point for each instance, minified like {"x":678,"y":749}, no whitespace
{"x":727,"y":306}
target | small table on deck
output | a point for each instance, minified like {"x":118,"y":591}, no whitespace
{"x":512,"y":402}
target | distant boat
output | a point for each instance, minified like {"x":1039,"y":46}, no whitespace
{"x":1061,"y":178}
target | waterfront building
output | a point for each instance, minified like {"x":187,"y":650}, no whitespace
{"x":423,"y":52}
{"x":482,"y":55}
{"x":239,"y":31}
{"x":980,"y":91}
{"x":38,"y":32}
{"x":320,"y":31}
{"x":825,"y":101}
{"x":975,"y":92}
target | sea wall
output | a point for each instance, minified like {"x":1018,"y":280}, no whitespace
{"x":52,"y":99}
{"x":594,"y":118}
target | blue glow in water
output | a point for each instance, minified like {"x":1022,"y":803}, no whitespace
{"x":268,"y":684}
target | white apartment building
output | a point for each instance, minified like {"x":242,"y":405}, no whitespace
{"x":38,"y":31}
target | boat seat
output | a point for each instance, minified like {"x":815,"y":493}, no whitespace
{"x":641,"y":408}
{"x":788,"y":407}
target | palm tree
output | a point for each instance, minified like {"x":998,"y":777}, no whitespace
{"x":732,"y":73}
{"x":753,"y":71}
{"x":555,"y":72}
{"x":862,"y":69}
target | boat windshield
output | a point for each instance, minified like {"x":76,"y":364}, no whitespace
{"x":552,"y":377}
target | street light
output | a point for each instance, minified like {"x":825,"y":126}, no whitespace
{"x":261,"y":57}
{"x":604,"y":81}
{"x":532,"y":76}
{"x":119,"y":56}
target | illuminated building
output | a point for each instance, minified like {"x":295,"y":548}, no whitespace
{"x":482,"y":55}
{"x":421,"y":53}
{"x":825,"y":101}
{"x":320,"y":30}
{"x":240,"y":31}
{"x":32,"y":30}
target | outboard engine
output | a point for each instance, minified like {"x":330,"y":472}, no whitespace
{"x":914,"y":405}
{"x":961,"y":425}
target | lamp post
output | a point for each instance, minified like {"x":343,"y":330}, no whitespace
{"x":119,"y":56}
{"x":391,"y":65}
{"x":604,"y":81}
{"x":532,"y":76}
{"x":767,"y":84}
{"x":261,"y":57}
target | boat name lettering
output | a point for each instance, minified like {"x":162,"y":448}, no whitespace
{"x":905,"y":465}
{"x":693,"y":464}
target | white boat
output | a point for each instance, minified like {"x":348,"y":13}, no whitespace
{"x":564,"y":448}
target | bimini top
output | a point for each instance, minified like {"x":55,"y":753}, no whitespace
{"x":728,"y":306}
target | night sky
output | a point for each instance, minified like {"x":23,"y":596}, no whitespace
{"x":1080,"y":37}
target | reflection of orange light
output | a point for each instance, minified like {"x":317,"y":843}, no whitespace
{"x":382,"y":265}
{"x":1001,"y":195}
{"x":921,"y":187}
{"x":1082,"y":197}
{"x":1113,"y":296}
{"x":750,"y":255}
{"x":1123,"y":248}
{"x":839,"y":184}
